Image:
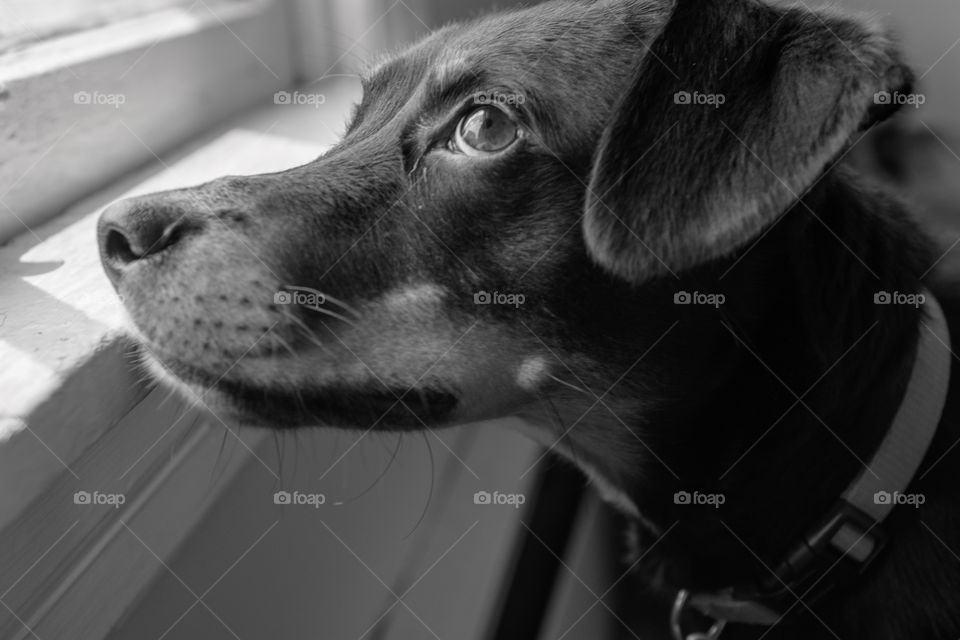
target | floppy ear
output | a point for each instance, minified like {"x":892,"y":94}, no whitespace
{"x":735,"y":110}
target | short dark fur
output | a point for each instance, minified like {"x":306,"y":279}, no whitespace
{"x":387,"y":208}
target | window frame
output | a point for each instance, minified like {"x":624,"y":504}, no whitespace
{"x":75,"y":411}
{"x":142,"y":94}
{"x":71,"y":400}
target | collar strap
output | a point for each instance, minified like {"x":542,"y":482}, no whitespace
{"x":845,"y":542}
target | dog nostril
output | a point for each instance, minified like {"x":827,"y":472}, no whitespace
{"x":131,"y":230}
{"x":117,"y":247}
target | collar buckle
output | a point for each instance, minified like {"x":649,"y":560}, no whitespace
{"x":832,"y":555}
{"x":676,"y":621}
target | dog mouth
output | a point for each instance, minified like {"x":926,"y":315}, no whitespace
{"x":357,"y":406}
{"x":360,"y":408}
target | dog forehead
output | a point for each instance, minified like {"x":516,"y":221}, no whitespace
{"x":555,"y":45}
{"x":554,"y":41}
{"x":565,"y":21}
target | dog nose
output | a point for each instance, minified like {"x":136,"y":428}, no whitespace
{"x":132,"y":229}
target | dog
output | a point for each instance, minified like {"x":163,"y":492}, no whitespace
{"x":628,"y":223}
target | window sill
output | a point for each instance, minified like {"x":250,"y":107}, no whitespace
{"x":135,"y":84}
{"x":75,"y":414}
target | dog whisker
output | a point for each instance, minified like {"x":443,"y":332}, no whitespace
{"x":334,"y":314}
{"x":218,"y":469}
{"x":171,"y":393}
{"x":426,"y":505}
{"x":297,"y":321}
{"x":380,"y":476}
{"x":312,"y":339}
{"x":343,"y":305}
{"x":278,"y":448}
{"x":307,"y":332}
{"x":567,"y":384}
{"x":325,"y":298}
{"x":286,"y":345}
{"x":556,"y":421}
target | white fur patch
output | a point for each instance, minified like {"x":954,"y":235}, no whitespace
{"x":420,"y":295}
{"x":531,"y":372}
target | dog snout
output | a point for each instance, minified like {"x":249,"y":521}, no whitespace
{"x":133,"y":229}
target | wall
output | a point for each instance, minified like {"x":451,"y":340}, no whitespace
{"x":930,"y":32}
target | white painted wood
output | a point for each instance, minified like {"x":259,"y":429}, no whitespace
{"x":74,"y":416}
{"x":69,"y":570}
{"x":79,"y":111}
{"x":574,"y":612}
{"x":460,"y":596}
{"x":65,"y":380}
{"x":24,"y":23}
{"x":303,"y":581}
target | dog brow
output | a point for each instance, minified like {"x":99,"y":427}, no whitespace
{"x":453,"y":80}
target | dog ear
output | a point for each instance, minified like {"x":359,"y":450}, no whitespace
{"x":735,"y":110}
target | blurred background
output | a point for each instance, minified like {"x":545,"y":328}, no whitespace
{"x":276,"y":44}
{"x":103,"y":98}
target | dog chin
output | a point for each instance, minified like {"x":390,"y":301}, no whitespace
{"x":351,"y":407}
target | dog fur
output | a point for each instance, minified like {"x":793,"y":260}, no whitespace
{"x":613,"y":199}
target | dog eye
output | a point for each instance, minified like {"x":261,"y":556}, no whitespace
{"x":484,"y":131}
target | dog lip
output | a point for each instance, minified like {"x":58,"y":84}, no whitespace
{"x":389,"y":409}
{"x":353,"y":406}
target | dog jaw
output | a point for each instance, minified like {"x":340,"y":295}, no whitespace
{"x":400,"y":348}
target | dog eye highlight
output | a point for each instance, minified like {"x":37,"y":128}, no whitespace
{"x":484,"y":131}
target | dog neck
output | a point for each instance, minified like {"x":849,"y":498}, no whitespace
{"x":803,"y":389}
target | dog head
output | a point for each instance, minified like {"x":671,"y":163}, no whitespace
{"x":501,"y":227}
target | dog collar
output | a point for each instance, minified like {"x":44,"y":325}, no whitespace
{"x":850,"y":537}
